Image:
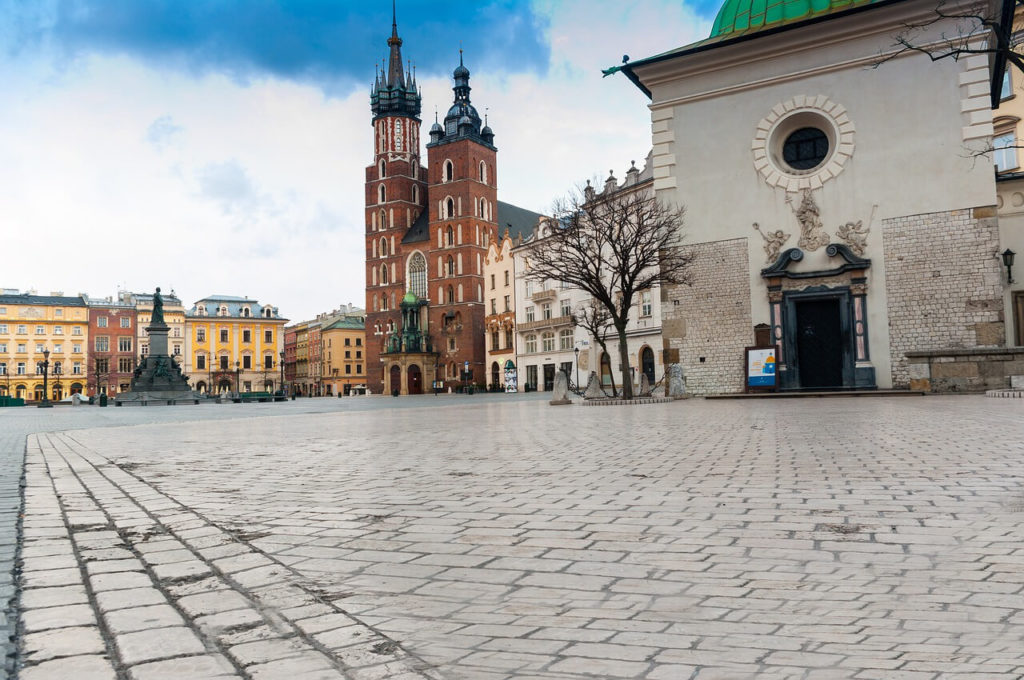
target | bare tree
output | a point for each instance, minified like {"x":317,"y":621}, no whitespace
{"x":965,"y":29}
{"x":612,"y":248}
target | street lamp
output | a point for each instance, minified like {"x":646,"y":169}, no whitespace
{"x":576,"y":351}
{"x":1008,"y":262}
{"x":238,"y":377}
{"x":281,"y":357}
{"x":45,"y":403}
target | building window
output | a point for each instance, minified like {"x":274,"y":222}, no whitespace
{"x":805,"y":148}
{"x":77,"y":349}
{"x":201,"y":361}
{"x":247,"y":362}
{"x":76,"y":368}
{"x":102,"y":343}
{"x":348,"y":368}
{"x":531,"y":344}
{"x":383,"y":275}
{"x":529,"y":288}
{"x":124,"y":365}
{"x":200,"y":335}
{"x":494,"y":306}
{"x":381,"y":169}
{"x":20,"y":368}
{"x":102,"y":365}
{"x":1006,"y":91}
{"x":268,"y":361}
{"x":548,"y":341}
{"x":3,"y":328}
{"x":359,"y":354}
{"x":383,"y":247}
{"x":40,"y":330}
{"x":449,"y":171}
{"x":22,"y":329}
{"x":268,"y":336}
{"x":359,"y":342}
{"x":449,"y":236}
{"x":101,"y":322}
{"x":417,"y":275}
{"x":492,"y":281}
{"x":451,"y":344}
{"x":529,"y":313}
{"x":22,"y":348}
{"x":1004,"y":153}
{"x":546,"y":310}
{"x":565,"y":308}
{"x":494,"y":340}
{"x":177,"y":350}
{"x":645,"y":303}
{"x":144,"y":350}
{"x":359,"y":369}
{"x":531,"y":376}
{"x":565,"y":339}
{"x":506,"y":277}
{"x":126,"y":322}
{"x":382,"y":194}
{"x":247,"y":336}
{"x":224,"y":363}
{"x":124,"y":344}
{"x":76,"y":330}
{"x":450,"y":208}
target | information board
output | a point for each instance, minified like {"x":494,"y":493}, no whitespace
{"x":761,"y":369}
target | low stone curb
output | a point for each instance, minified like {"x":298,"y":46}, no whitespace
{"x":627,"y":402}
{"x":1006,"y":394}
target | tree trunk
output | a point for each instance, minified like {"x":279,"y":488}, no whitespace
{"x":627,"y":378}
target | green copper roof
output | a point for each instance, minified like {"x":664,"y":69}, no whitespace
{"x":746,"y":16}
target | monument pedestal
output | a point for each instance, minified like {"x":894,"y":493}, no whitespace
{"x":158,"y":378}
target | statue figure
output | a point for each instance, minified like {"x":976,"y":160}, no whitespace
{"x":158,"y":307}
{"x":854,"y":235}
{"x":161,"y":368}
{"x":773,"y":242}
{"x":812,"y":232}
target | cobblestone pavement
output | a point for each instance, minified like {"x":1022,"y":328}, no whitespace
{"x":835,"y":538}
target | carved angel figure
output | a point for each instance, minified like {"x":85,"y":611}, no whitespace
{"x":855,"y":235}
{"x":812,"y":231}
{"x":773,"y":242}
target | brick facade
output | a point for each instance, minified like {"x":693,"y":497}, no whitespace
{"x":944,"y":284}
{"x":112,"y":348}
{"x":707,"y":325}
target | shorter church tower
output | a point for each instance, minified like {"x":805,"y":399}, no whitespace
{"x":462,"y":222}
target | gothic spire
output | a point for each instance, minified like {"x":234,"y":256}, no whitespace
{"x":395,"y":92}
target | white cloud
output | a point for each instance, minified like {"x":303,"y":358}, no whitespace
{"x":116,"y":174}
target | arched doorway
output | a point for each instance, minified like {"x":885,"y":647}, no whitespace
{"x":224,"y":386}
{"x":606,"y":369}
{"x":495,"y":374}
{"x":395,"y":383}
{"x":647,"y":363}
{"x":76,"y":388}
{"x":415,"y":380}
{"x":39,"y":393}
{"x":201,"y":387}
{"x":19,"y":391}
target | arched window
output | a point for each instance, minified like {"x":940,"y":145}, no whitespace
{"x":450,"y":236}
{"x":483,"y":172}
{"x":531,"y":344}
{"x":449,"y":171}
{"x":381,"y":169}
{"x":450,"y":208}
{"x":382,"y":194}
{"x":383,"y":275}
{"x":383,"y":220}
{"x":418,"y":275}
{"x":451,"y":294}
{"x":245,"y":312}
{"x":383,"y":247}
{"x":376,"y":304}
{"x":415,"y":194}
{"x":451,"y":266}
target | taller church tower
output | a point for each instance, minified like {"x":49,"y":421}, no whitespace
{"x":396,"y":192}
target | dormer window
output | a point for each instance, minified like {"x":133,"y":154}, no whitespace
{"x":223,"y":311}
{"x":245,"y":312}
{"x":201,"y":310}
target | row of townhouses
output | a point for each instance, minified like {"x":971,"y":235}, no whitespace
{"x":92,"y":346}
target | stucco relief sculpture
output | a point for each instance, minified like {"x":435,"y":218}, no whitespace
{"x":855,"y":236}
{"x":773,"y":242}
{"x":808,"y":215}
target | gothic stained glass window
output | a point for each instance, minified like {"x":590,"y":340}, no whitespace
{"x":418,"y":275}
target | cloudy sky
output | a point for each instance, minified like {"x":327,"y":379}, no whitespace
{"x":218,"y":146}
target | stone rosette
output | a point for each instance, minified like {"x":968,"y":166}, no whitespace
{"x":784,"y":118}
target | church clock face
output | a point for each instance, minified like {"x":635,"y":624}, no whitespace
{"x":398,"y":135}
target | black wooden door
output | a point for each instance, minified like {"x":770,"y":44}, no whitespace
{"x":819,"y":344}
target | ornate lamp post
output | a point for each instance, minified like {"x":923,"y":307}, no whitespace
{"x":238,"y":376}
{"x":576,"y":351}
{"x":45,"y":403}
{"x":281,"y":357}
{"x":1008,"y":263}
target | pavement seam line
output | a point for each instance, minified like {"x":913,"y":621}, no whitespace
{"x":146,"y":566}
{"x":90,"y":593}
{"x":227,"y":578}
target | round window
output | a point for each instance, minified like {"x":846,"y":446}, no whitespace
{"x":805,"y":148}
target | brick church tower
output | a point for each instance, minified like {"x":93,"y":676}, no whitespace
{"x":427,"y":232}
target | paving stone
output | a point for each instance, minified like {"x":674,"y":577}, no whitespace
{"x":205,"y":667}
{"x":92,"y":667}
{"x":142,"y":618}
{"x":157,"y":643}
{"x":58,"y":617}
{"x":59,"y":642}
